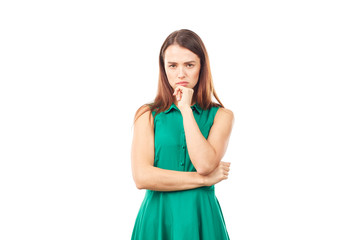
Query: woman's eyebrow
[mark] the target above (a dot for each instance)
(192, 61)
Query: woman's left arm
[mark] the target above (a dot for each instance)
(206, 154)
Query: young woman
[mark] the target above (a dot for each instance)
(178, 143)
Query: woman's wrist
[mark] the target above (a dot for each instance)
(185, 109)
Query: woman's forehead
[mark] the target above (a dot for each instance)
(176, 53)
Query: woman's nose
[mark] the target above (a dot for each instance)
(181, 73)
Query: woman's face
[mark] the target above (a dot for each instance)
(182, 66)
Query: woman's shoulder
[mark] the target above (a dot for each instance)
(224, 114)
(145, 107)
(143, 112)
(223, 110)
(220, 109)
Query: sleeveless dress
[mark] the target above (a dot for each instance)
(193, 214)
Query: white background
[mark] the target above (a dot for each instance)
(73, 73)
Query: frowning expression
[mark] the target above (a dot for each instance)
(182, 66)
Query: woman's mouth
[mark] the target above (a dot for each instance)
(182, 83)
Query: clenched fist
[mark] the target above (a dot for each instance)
(183, 96)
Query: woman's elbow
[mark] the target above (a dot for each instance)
(204, 170)
(139, 186)
(139, 181)
(208, 163)
(141, 176)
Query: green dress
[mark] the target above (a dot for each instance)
(179, 215)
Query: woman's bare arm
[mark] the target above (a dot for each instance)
(206, 154)
(146, 176)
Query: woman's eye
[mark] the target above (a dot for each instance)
(172, 66)
(190, 65)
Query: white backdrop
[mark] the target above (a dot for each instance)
(73, 73)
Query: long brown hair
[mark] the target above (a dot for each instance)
(204, 89)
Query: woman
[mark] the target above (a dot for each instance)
(178, 143)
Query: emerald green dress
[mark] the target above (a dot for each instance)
(179, 215)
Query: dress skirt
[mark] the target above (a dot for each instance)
(193, 214)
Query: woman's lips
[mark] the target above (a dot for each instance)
(182, 83)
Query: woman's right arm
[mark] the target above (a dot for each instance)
(146, 176)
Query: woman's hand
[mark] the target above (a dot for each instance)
(220, 173)
(183, 96)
